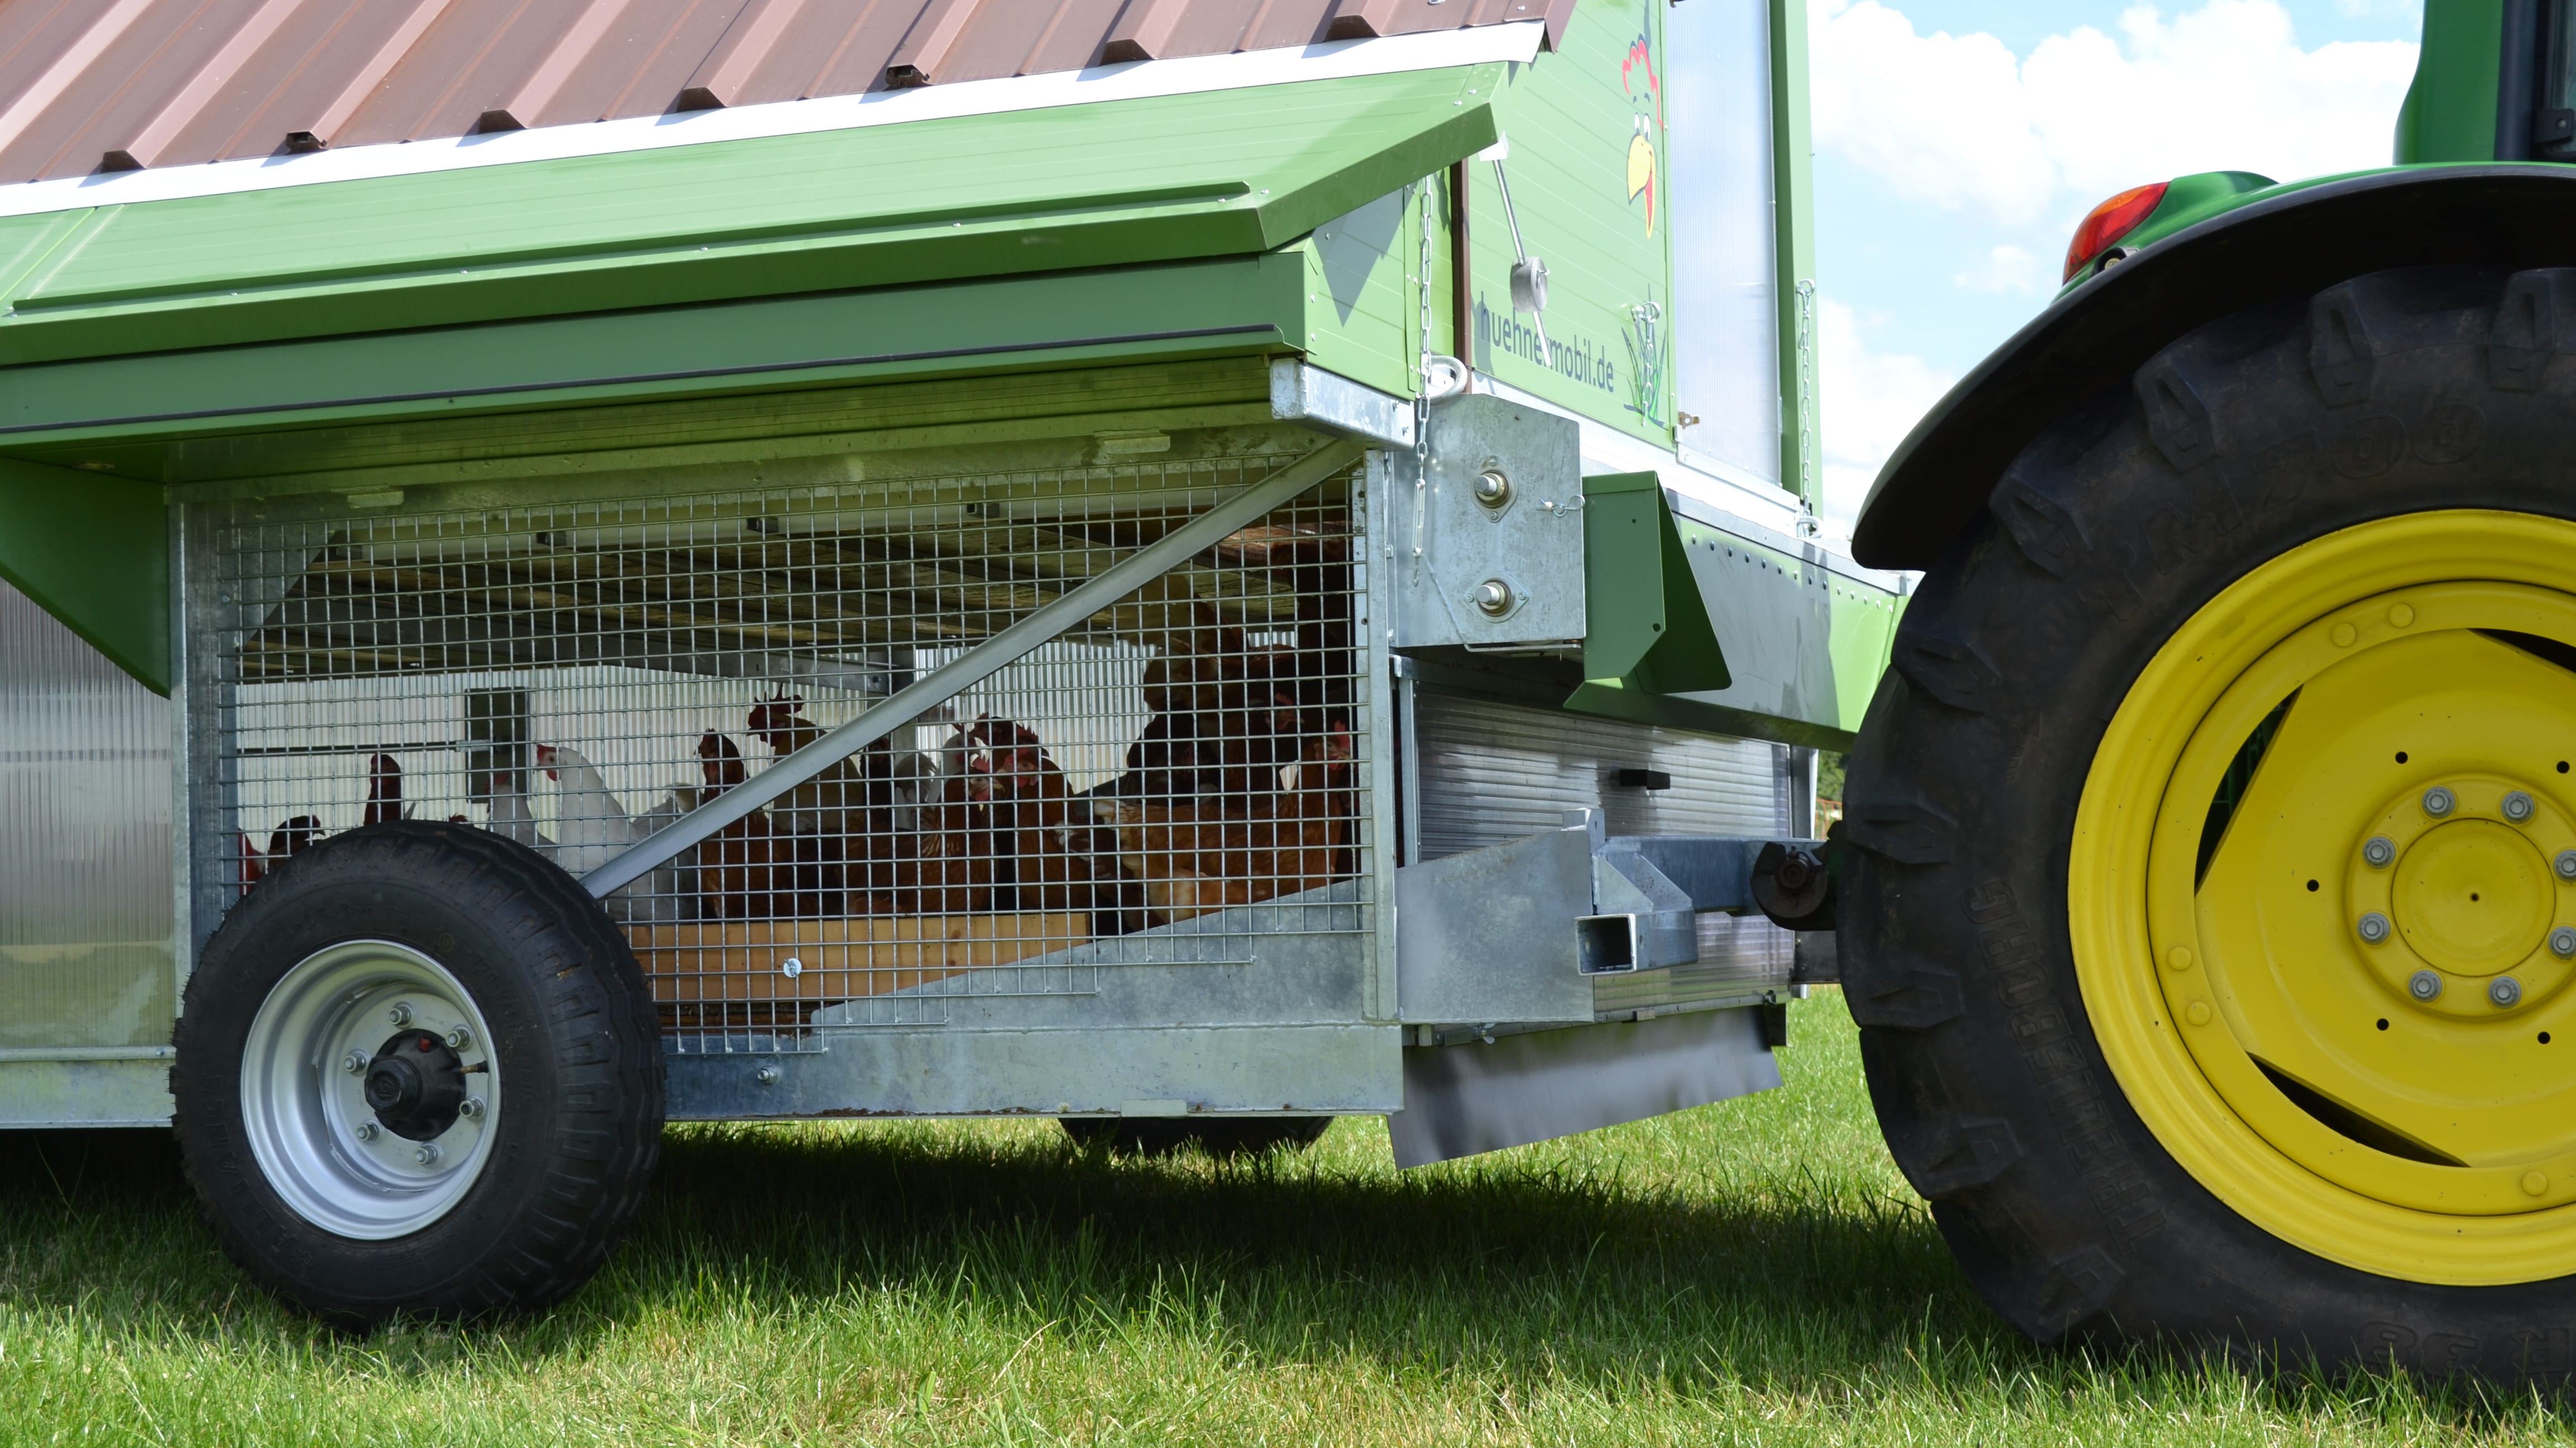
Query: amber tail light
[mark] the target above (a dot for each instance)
(2108, 222)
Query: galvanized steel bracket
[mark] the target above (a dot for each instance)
(1486, 529)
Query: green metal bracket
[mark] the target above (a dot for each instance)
(93, 551)
(1647, 630)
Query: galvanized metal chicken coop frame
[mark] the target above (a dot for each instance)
(1138, 587)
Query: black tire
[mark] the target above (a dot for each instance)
(1243, 1136)
(2389, 394)
(574, 1041)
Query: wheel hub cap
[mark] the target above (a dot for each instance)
(415, 1085)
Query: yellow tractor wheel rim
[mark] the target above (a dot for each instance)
(2357, 1027)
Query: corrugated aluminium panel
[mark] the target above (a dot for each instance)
(113, 84)
(1487, 772)
(86, 957)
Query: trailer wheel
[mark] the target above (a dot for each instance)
(418, 1073)
(2213, 930)
(1152, 1136)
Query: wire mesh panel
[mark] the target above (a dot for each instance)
(578, 674)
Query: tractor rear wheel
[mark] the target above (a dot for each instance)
(2213, 919)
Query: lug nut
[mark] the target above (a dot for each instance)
(1494, 597)
(460, 1038)
(400, 1015)
(2565, 864)
(366, 1131)
(2562, 941)
(2380, 849)
(2439, 802)
(2424, 985)
(426, 1153)
(2374, 927)
(471, 1108)
(355, 1063)
(2505, 991)
(2517, 806)
(1493, 489)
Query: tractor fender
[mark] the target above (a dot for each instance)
(2291, 242)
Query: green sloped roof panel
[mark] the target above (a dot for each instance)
(1111, 183)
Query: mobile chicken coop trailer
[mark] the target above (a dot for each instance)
(1186, 565)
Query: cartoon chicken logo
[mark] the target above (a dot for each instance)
(1646, 99)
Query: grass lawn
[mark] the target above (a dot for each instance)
(1752, 1272)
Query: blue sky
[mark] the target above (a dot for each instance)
(1958, 142)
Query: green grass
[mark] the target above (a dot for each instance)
(1754, 1272)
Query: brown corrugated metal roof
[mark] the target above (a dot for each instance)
(89, 85)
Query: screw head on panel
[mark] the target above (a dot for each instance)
(766, 1075)
(2439, 802)
(2373, 927)
(2379, 850)
(2424, 985)
(1493, 489)
(1493, 596)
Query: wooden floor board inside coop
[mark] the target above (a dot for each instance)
(844, 959)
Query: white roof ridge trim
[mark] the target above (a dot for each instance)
(1516, 40)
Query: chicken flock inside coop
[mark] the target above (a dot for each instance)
(577, 678)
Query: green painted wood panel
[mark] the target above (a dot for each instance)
(1117, 183)
(1581, 123)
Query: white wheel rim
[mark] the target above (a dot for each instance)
(318, 1142)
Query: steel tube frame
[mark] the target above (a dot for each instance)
(978, 663)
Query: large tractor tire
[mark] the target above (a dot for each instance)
(2213, 916)
(418, 1074)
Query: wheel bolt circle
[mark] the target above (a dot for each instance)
(2517, 806)
(2505, 991)
(2439, 802)
(2424, 985)
(2373, 927)
(2380, 850)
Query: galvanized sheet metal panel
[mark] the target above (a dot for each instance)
(86, 956)
(1488, 772)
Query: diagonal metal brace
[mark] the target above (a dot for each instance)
(979, 663)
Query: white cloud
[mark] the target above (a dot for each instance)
(1871, 401)
(1962, 121)
(2007, 271)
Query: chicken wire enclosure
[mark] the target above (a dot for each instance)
(580, 672)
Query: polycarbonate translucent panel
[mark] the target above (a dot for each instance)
(1726, 328)
(578, 674)
(86, 957)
